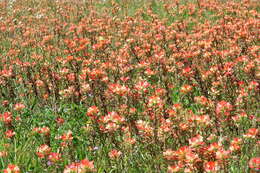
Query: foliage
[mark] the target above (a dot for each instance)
(129, 86)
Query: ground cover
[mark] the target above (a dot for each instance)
(129, 86)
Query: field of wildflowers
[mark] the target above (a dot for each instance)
(129, 86)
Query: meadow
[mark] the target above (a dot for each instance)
(129, 86)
